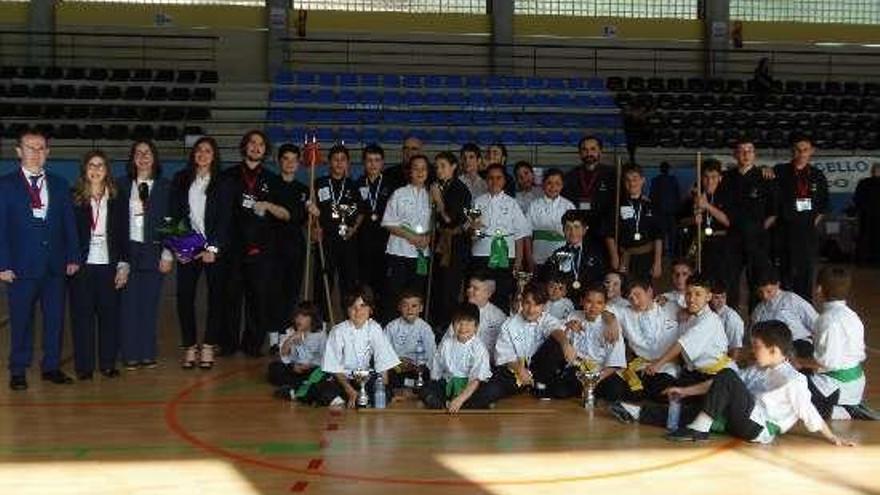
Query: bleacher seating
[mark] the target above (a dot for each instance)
(714, 113)
(442, 109)
(100, 103)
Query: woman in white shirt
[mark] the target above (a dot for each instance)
(200, 199)
(102, 226)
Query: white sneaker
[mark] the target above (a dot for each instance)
(337, 402)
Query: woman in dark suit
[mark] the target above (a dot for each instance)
(201, 199)
(146, 194)
(102, 227)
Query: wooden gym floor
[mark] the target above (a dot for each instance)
(167, 431)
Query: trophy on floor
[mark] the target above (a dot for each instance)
(420, 362)
(361, 377)
(343, 212)
(588, 375)
(473, 214)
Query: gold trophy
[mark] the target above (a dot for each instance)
(522, 279)
(361, 377)
(473, 214)
(588, 375)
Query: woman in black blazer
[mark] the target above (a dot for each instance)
(102, 226)
(146, 195)
(200, 198)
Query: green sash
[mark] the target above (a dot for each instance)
(315, 377)
(846, 375)
(455, 385)
(773, 428)
(548, 235)
(421, 258)
(498, 251)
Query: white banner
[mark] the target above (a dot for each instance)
(842, 172)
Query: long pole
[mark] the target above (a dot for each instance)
(432, 229)
(699, 232)
(616, 213)
(311, 162)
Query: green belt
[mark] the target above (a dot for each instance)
(421, 258)
(847, 375)
(455, 385)
(548, 235)
(773, 428)
(498, 252)
(315, 377)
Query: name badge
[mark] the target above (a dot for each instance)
(365, 192)
(39, 213)
(96, 240)
(586, 205)
(627, 212)
(803, 204)
(409, 383)
(248, 201)
(323, 194)
(139, 222)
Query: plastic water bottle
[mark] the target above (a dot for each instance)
(379, 400)
(420, 352)
(674, 414)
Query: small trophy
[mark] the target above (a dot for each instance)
(473, 214)
(420, 361)
(589, 378)
(361, 377)
(343, 212)
(563, 261)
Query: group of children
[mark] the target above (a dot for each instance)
(682, 346)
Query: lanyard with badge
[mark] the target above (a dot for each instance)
(95, 216)
(803, 202)
(34, 189)
(336, 199)
(587, 189)
(709, 230)
(372, 196)
(576, 266)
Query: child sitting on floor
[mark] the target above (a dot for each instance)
(300, 352)
(412, 339)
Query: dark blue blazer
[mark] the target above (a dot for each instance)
(34, 248)
(157, 210)
(117, 229)
(218, 206)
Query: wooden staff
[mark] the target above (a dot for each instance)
(311, 162)
(700, 227)
(432, 230)
(616, 212)
(312, 156)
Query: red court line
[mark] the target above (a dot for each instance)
(299, 486)
(131, 404)
(315, 464)
(175, 426)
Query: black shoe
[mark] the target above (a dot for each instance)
(110, 372)
(685, 434)
(283, 393)
(862, 412)
(132, 365)
(57, 377)
(620, 413)
(149, 364)
(84, 376)
(18, 382)
(540, 391)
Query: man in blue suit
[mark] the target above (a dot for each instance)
(38, 248)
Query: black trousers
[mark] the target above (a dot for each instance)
(323, 393)
(749, 252)
(372, 242)
(716, 254)
(396, 377)
(503, 277)
(188, 275)
(401, 275)
(289, 279)
(640, 266)
(550, 368)
(340, 263)
(94, 315)
(447, 286)
(280, 375)
(799, 250)
(433, 395)
(728, 399)
(653, 386)
(249, 282)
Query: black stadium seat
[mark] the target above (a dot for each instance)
(211, 77)
(97, 74)
(75, 73)
(134, 93)
(67, 131)
(41, 91)
(615, 84)
(30, 72)
(53, 73)
(18, 91)
(186, 77)
(179, 94)
(111, 93)
(164, 75)
(142, 75)
(656, 85)
(87, 93)
(675, 85)
(202, 94)
(118, 132)
(167, 133)
(8, 72)
(157, 93)
(120, 75)
(92, 131)
(142, 131)
(65, 92)
(635, 84)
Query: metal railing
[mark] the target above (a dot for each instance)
(573, 60)
(74, 48)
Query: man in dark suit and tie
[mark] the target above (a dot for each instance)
(38, 248)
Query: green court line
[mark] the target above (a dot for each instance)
(84, 451)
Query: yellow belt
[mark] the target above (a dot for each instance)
(714, 368)
(630, 374)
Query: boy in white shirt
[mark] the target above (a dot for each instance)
(520, 337)
(356, 344)
(559, 305)
(649, 331)
(413, 341)
(757, 404)
(734, 327)
(793, 310)
(701, 344)
(500, 248)
(545, 216)
(588, 331)
(837, 383)
(300, 353)
(460, 367)
(613, 283)
(479, 292)
(673, 300)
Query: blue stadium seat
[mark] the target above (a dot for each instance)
(460, 118)
(391, 98)
(327, 79)
(347, 117)
(370, 97)
(495, 82)
(557, 84)
(284, 77)
(454, 82)
(371, 135)
(276, 133)
(478, 99)
(536, 83)
(280, 95)
(349, 135)
(475, 82)
(302, 96)
(413, 98)
(347, 97)
(394, 135)
(595, 84)
(435, 99)
(324, 96)
(435, 81)
(511, 138)
(349, 80)
(391, 81)
(412, 81)
(513, 82)
(276, 115)
(486, 137)
(369, 80)
(456, 98)
(463, 136)
(520, 99)
(442, 135)
(326, 135)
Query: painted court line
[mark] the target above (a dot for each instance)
(174, 425)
